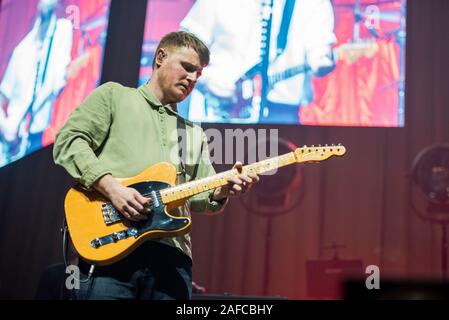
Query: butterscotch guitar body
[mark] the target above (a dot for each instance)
(101, 235)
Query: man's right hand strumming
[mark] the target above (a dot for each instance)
(128, 201)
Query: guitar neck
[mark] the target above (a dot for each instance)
(189, 189)
(286, 74)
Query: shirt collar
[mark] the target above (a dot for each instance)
(154, 101)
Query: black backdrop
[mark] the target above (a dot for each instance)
(371, 177)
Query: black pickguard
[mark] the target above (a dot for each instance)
(157, 218)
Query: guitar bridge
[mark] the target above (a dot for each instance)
(110, 214)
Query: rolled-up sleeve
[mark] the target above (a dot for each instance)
(84, 132)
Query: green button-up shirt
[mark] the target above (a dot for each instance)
(122, 131)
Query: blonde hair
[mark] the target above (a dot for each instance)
(180, 39)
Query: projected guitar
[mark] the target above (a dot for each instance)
(248, 86)
(16, 148)
(101, 235)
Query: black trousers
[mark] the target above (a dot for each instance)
(154, 271)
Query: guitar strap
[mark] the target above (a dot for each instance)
(285, 26)
(182, 149)
(182, 145)
(44, 71)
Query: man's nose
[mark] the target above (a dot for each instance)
(192, 77)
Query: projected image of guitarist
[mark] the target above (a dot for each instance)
(34, 78)
(246, 82)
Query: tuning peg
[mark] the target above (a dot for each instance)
(313, 146)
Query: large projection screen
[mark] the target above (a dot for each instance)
(329, 63)
(51, 54)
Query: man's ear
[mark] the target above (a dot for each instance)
(161, 54)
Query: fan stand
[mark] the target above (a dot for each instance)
(268, 236)
(444, 246)
(443, 223)
(432, 163)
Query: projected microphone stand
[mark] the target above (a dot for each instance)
(400, 38)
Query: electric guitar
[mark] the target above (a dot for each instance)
(248, 86)
(101, 235)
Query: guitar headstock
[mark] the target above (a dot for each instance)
(353, 52)
(320, 153)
